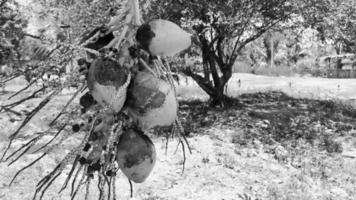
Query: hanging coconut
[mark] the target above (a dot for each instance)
(162, 38)
(107, 82)
(151, 101)
(136, 155)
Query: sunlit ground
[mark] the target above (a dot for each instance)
(219, 167)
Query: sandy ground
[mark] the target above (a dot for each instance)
(217, 169)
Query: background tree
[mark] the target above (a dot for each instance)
(271, 41)
(335, 22)
(222, 30)
(12, 25)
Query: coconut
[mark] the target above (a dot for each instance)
(151, 101)
(136, 155)
(107, 82)
(162, 38)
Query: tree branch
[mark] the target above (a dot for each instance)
(32, 36)
(205, 85)
(220, 54)
(261, 30)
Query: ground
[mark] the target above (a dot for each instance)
(267, 146)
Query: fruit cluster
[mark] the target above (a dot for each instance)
(137, 90)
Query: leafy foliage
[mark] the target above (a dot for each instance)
(335, 21)
(11, 32)
(222, 30)
(82, 15)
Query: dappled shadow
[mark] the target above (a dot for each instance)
(273, 117)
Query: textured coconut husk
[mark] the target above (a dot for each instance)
(162, 38)
(107, 82)
(136, 155)
(151, 101)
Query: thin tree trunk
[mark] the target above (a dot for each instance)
(272, 53)
(338, 61)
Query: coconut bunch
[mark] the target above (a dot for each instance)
(127, 93)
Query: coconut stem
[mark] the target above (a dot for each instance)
(27, 119)
(131, 188)
(54, 137)
(67, 104)
(27, 166)
(75, 179)
(74, 165)
(33, 95)
(87, 188)
(114, 187)
(23, 89)
(81, 182)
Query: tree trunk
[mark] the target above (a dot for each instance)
(219, 98)
(272, 53)
(268, 48)
(271, 43)
(214, 88)
(216, 72)
(338, 60)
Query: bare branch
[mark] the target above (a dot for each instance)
(207, 86)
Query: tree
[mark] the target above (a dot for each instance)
(271, 42)
(222, 30)
(11, 32)
(335, 22)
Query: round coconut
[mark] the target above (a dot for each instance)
(162, 38)
(151, 101)
(107, 81)
(136, 155)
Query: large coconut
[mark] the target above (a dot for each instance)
(107, 82)
(162, 38)
(151, 101)
(136, 155)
